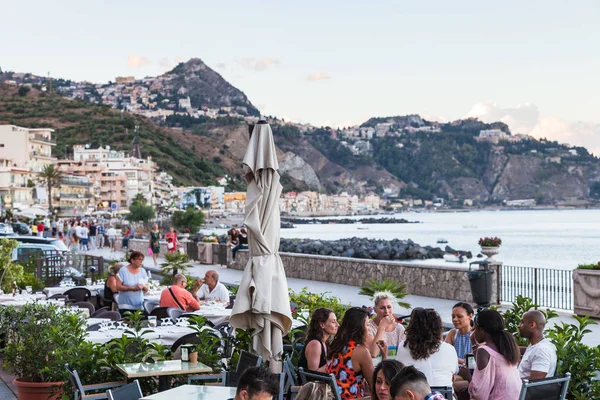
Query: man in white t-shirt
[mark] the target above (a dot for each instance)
(539, 360)
(211, 288)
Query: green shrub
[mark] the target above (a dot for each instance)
(512, 316)
(312, 301)
(589, 266)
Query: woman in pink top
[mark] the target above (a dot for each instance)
(496, 376)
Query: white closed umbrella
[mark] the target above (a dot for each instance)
(262, 302)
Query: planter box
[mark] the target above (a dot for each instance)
(586, 291)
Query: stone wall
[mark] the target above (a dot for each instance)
(439, 281)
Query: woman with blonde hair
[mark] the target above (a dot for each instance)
(384, 326)
(315, 391)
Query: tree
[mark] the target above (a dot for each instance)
(139, 198)
(23, 90)
(51, 177)
(188, 221)
(140, 212)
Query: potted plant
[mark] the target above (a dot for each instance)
(490, 246)
(175, 263)
(395, 288)
(40, 340)
(586, 290)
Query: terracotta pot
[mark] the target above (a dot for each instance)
(194, 357)
(38, 390)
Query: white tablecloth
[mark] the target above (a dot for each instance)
(166, 335)
(50, 291)
(8, 297)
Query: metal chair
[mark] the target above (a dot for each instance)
(319, 377)
(131, 391)
(446, 391)
(58, 297)
(190, 338)
(81, 392)
(84, 304)
(554, 388)
(160, 312)
(174, 313)
(78, 294)
(99, 311)
(112, 315)
(292, 386)
(246, 361)
(150, 305)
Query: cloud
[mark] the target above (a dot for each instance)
(257, 64)
(526, 118)
(134, 62)
(318, 76)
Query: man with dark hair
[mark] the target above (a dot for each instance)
(411, 384)
(257, 383)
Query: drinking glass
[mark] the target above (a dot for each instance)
(28, 289)
(88, 281)
(152, 321)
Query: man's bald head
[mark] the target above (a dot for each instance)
(537, 317)
(178, 278)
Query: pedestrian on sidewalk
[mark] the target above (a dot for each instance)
(100, 235)
(112, 238)
(172, 243)
(155, 243)
(92, 235)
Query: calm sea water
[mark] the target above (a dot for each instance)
(550, 239)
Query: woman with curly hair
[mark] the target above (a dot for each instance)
(383, 374)
(425, 349)
(496, 376)
(349, 359)
(323, 325)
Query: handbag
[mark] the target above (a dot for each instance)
(150, 251)
(170, 245)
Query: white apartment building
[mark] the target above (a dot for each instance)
(24, 153)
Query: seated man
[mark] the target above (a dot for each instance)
(176, 296)
(211, 288)
(539, 360)
(411, 384)
(257, 383)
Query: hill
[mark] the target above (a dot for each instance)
(77, 122)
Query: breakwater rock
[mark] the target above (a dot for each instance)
(301, 221)
(374, 249)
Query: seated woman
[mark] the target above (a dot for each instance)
(110, 286)
(383, 374)
(384, 326)
(349, 359)
(323, 325)
(460, 336)
(425, 349)
(496, 375)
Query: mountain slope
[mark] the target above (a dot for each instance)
(78, 122)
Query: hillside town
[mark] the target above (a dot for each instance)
(104, 179)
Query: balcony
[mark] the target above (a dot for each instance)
(42, 139)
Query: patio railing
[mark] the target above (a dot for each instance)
(52, 268)
(547, 287)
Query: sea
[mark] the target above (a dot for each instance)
(560, 239)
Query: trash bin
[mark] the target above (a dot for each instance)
(481, 282)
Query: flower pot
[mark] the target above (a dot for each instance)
(38, 390)
(586, 292)
(490, 251)
(194, 357)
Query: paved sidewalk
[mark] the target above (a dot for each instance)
(347, 294)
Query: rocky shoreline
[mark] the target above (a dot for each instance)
(384, 220)
(373, 249)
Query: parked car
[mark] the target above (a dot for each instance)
(21, 228)
(6, 228)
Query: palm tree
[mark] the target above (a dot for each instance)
(397, 289)
(51, 176)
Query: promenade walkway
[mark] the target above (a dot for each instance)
(347, 294)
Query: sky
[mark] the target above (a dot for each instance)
(533, 64)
